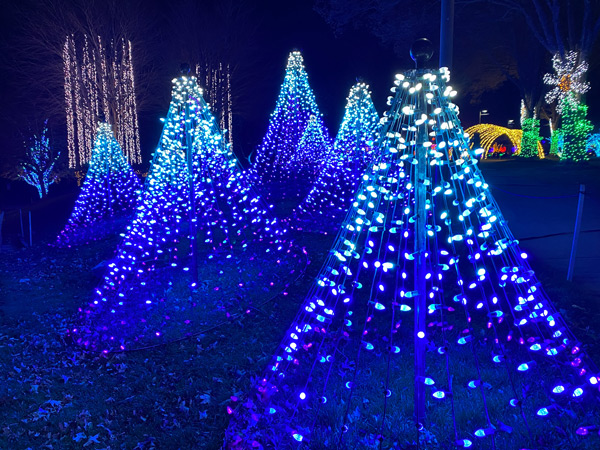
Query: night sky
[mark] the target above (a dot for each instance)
(333, 64)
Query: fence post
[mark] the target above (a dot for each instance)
(1, 220)
(30, 237)
(576, 234)
(21, 220)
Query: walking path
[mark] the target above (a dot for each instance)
(539, 201)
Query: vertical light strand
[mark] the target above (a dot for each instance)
(211, 88)
(221, 94)
(137, 155)
(128, 116)
(79, 109)
(97, 85)
(69, 104)
(123, 116)
(104, 78)
(229, 107)
(114, 120)
(87, 101)
(128, 101)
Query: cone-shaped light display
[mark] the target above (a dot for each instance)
(426, 323)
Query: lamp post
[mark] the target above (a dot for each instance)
(446, 33)
(483, 112)
(421, 52)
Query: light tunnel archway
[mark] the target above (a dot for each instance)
(489, 133)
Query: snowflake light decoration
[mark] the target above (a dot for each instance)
(567, 78)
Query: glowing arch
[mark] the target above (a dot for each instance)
(489, 133)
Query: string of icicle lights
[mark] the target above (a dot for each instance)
(426, 323)
(217, 85)
(99, 86)
(344, 165)
(195, 196)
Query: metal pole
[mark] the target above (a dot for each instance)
(576, 233)
(192, 197)
(420, 267)
(447, 33)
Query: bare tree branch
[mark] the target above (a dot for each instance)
(559, 25)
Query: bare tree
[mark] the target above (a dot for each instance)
(494, 36)
(510, 53)
(394, 22)
(560, 25)
(217, 39)
(37, 51)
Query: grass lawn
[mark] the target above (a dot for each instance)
(54, 395)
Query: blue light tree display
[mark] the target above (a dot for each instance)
(354, 141)
(331, 195)
(110, 189)
(313, 149)
(295, 107)
(426, 326)
(39, 163)
(195, 193)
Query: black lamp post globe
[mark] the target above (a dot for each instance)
(185, 69)
(421, 51)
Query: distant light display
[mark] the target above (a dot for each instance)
(593, 144)
(489, 133)
(426, 323)
(523, 114)
(575, 130)
(567, 79)
(295, 108)
(193, 161)
(530, 143)
(39, 163)
(314, 146)
(332, 194)
(557, 143)
(110, 187)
